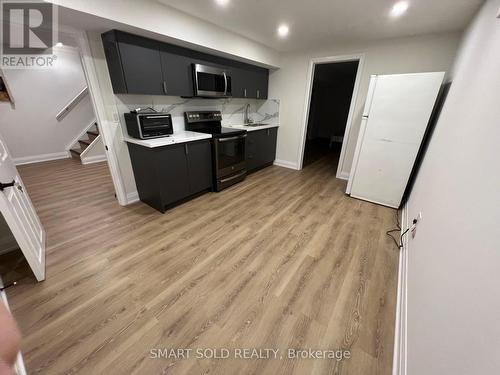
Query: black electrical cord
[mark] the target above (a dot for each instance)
(397, 229)
(8, 286)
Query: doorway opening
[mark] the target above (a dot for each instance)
(53, 152)
(334, 84)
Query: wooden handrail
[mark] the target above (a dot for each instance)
(72, 104)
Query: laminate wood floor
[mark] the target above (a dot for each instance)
(282, 260)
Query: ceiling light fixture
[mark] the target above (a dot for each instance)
(283, 30)
(59, 44)
(222, 3)
(399, 8)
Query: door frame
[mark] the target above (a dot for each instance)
(310, 80)
(103, 121)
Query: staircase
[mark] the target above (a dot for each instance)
(84, 142)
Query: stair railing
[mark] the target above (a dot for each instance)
(72, 104)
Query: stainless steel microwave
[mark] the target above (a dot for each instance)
(149, 125)
(211, 82)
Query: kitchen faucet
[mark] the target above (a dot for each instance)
(247, 119)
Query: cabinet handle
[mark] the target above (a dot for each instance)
(186, 150)
(258, 94)
(245, 93)
(164, 84)
(268, 132)
(221, 140)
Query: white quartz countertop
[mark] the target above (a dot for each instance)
(252, 128)
(177, 137)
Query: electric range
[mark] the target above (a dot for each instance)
(228, 147)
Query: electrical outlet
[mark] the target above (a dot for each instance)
(413, 228)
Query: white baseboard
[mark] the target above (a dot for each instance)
(343, 176)
(286, 164)
(399, 366)
(40, 158)
(132, 197)
(94, 159)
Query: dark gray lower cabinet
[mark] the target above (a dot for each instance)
(167, 175)
(199, 159)
(261, 148)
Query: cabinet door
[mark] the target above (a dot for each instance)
(251, 148)
(173, 176)
(177, 74)
(141, 65)
(199, 158)
(255, 83)
(262, 82)
(262, 148)
(114, 63)
(244, 83)
(269, 145)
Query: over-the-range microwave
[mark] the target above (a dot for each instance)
(211, 82)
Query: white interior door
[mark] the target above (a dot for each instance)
(393, 130)
(20, 215)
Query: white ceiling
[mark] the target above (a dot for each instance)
(314, 23)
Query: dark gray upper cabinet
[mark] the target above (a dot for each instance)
(242, 83)
(250, 82)
(177, 73)
(262, 79)
(261, 148)
(113, 59)
(140, 65)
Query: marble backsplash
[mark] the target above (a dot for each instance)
(232, 108)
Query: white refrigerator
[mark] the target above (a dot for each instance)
(396, 115)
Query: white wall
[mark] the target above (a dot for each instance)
(404, 55)
(165, 21)
(30, 129)
(454, 260)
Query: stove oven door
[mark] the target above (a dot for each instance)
(230, 156)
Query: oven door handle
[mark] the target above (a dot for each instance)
(233, 177)
(225, 83)
(231, 138)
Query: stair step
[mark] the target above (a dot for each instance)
(75, 154)
(84, 143)
(92, 135)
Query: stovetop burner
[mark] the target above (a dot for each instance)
(221, 132)
(209, 122)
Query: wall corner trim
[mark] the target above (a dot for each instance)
(343, 175)
(132, 197)
(399, 366)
